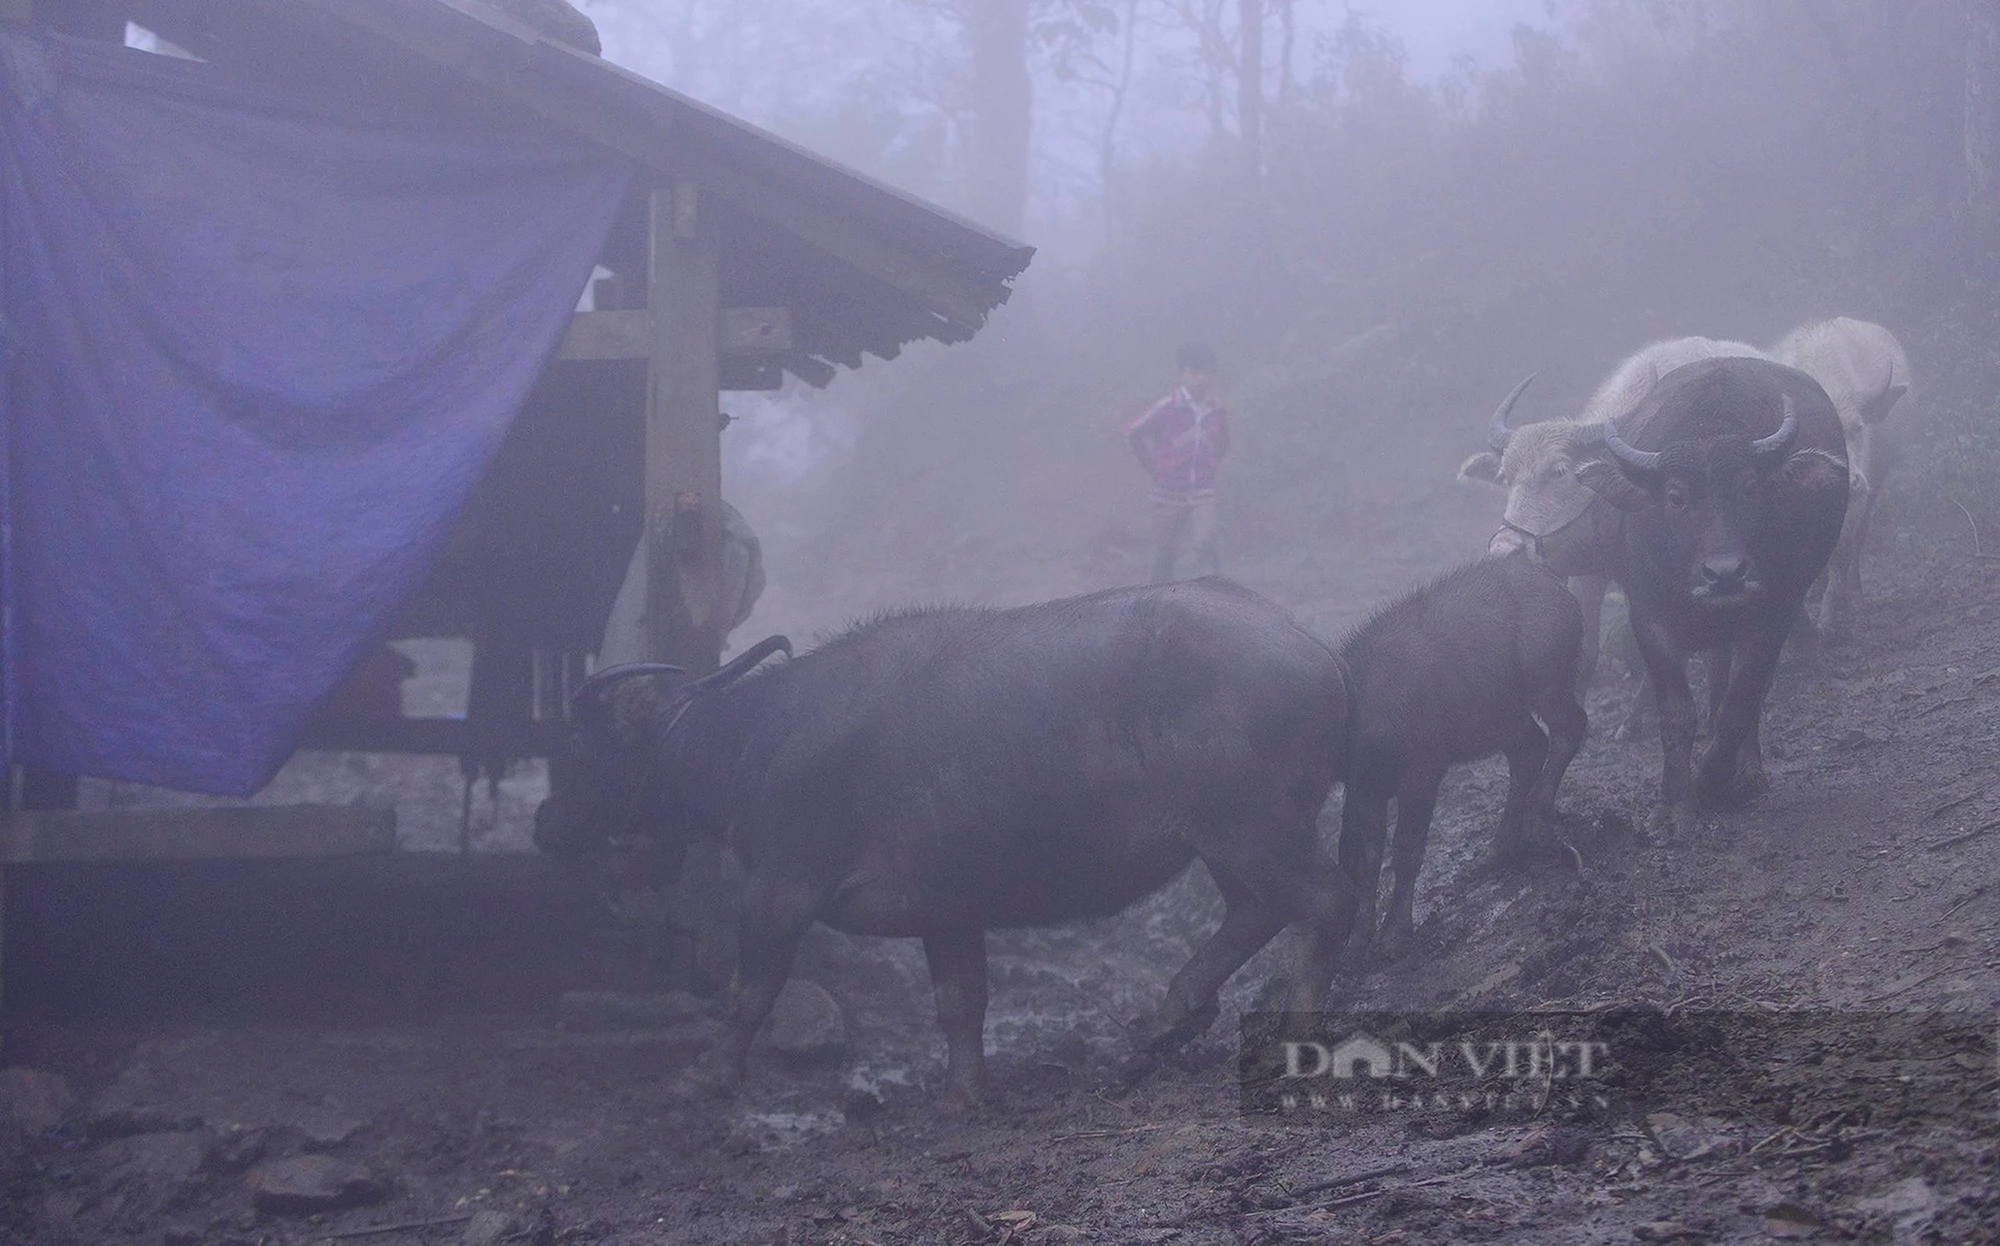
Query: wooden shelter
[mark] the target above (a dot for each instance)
(739, 258)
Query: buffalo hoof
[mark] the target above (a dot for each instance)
(706, 1079)
(1724, 785)
(961, 1098)
(1171, 1026)
(1396, 939)
(1132, 1070)
(1673, 823)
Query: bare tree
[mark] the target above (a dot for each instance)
(1250, 91)
(1982, 126)
(1002, 110)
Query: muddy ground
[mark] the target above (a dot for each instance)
(1771, 985)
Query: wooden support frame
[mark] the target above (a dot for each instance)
(195, 833)
(747, 333)
(683, 532)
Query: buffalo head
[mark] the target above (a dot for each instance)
(1699, 501)
(1536, 466)
(610, 778)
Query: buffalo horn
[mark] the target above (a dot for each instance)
(1637, 460)
(1765, 447)
(740, 665)
(1497, 431)
(587, 695)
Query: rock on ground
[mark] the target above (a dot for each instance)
(33, 1100)
(806, 1022)
(304, 1184)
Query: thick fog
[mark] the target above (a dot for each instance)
(1426, 203)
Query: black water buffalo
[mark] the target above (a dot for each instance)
(942, 772)
(1452, 672)
(1730, 486)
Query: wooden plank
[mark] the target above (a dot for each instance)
(443, 737)
(746, 332)
(608, 335)
(756, 330)
(683, 532)
(746, 376)
(918, 277)
(206, 832)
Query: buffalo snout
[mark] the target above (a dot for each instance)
(1724, 573)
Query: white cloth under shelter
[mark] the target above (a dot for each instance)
(736, 592)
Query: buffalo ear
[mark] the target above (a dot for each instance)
(1814, 470)
(1484, 466)
(1610, 483)
(1878, 408)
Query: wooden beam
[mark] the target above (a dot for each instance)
(608, 335)
(747, 333)
(756, 331)
(743, 375)
(442, 737)
(683, 531)
(204, 832)
(912, 274)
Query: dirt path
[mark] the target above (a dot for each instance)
(1866, 887)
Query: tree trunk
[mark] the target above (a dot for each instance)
(1982, 130)
(1288, 23)
(1250, 92)
(1002, 111)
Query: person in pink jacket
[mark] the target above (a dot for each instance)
(1181, 440)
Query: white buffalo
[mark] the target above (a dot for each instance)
(1862, 367)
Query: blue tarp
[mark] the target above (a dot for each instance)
(262, 350)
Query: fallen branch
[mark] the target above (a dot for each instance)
(1894, 991)
(1949, 701)
(1971, 523)
(1975, 794)
(1968, 898)
(1105, 1133)
(1952, 841)
(1321, 1187)
(402, 1227)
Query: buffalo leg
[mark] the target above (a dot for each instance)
(1843, 571)
(957, 961)
(1715, 666)
(1416, 802)
(1364, 834)
(1526, 754)
(1728, 776)
(1568, 724)
(1666, 667)
(1589, 592)
(775, 917)
(1248, 923)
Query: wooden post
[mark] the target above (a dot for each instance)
(684, 430)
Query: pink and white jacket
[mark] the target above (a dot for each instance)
(1181, 442)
